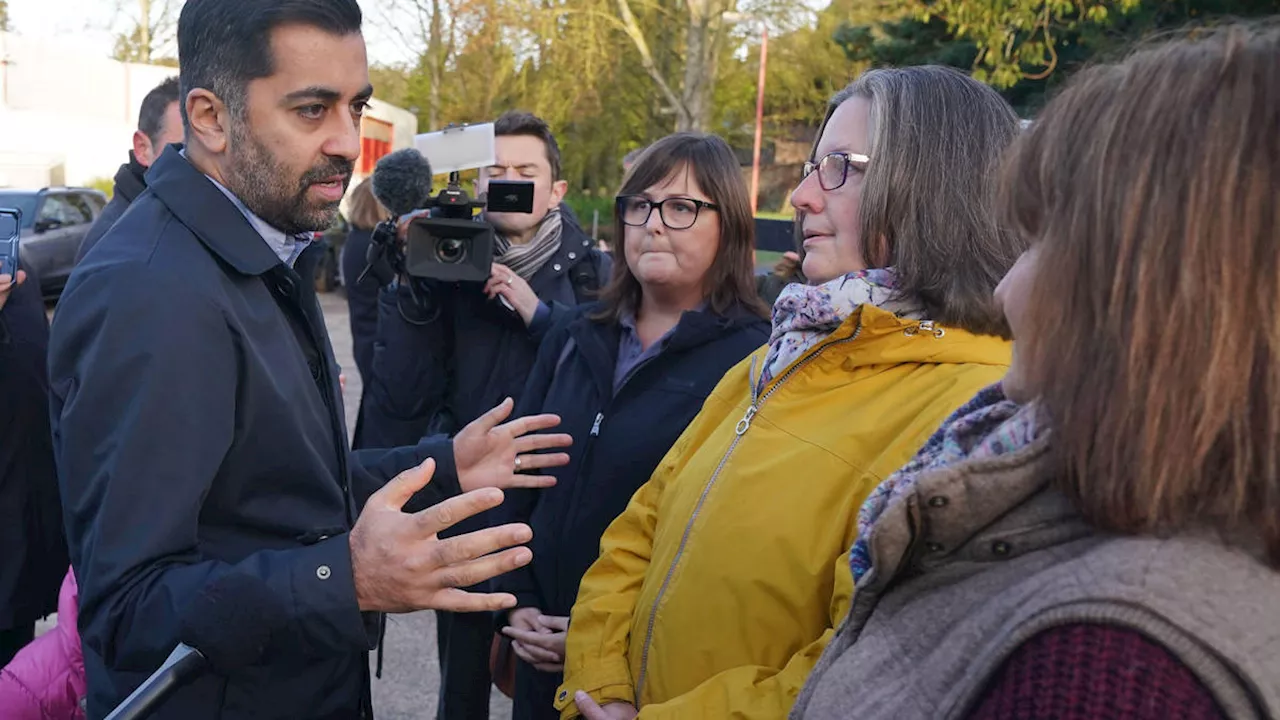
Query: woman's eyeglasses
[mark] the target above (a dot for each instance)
(676, 213)
(833, 169)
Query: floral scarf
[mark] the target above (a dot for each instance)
(988, 425)
(805, 314)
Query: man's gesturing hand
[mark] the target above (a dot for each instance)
(399, 565)
(491, 455)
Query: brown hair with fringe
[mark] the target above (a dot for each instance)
(731, 278)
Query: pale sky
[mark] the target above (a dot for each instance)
(93, 24)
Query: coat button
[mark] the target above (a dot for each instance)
(938, 501)
(564, 694)
(1001, 548)
(323, 572)
(556, 267)
(573, 256)
(933, 547)
(315, 369)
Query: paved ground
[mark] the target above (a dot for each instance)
(410, 673)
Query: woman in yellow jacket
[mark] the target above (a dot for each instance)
(720, 585)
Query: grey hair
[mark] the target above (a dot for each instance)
(936, 141)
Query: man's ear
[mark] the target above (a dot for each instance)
(558, 190)
(208, 121)
(142, 149)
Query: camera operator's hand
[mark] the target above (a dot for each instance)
(503, 282)
(491, 455)
(402, 224)
(398, 563)
(7, 284)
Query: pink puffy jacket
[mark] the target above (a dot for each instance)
(45, 681)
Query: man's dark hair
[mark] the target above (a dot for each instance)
(154, 107)
(225, 44)
(523, 123)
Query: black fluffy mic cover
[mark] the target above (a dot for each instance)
(402, 181)
(231, 622)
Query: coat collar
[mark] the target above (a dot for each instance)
(575, 248)
(979, 510)
(598, 341)
(209, 214)
(131, 179)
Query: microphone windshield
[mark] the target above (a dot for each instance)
(402, 181)
(231, 622)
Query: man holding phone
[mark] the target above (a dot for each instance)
(30, 513)
(197, 419)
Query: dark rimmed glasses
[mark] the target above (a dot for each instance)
(833, 169)
(676, 213)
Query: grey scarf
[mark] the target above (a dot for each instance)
(527, 259)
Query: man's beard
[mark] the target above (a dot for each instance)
(266, 187)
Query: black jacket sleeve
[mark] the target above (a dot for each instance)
(411, 369)
(371, 469)
(144, 411)
(519, 503)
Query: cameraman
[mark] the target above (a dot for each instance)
(448, 351)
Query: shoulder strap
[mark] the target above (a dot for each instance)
(585, 279)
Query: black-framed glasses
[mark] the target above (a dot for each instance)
(833, 169)
(677, 213)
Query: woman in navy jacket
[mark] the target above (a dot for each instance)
(627, 374)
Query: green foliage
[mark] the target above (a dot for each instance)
(106, 186)
(4, 16)
(1025, 48)
(574, 63)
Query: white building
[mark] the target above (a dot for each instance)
(67, 115)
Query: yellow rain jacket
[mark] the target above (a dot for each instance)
(720, 585)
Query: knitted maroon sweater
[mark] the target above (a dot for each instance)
(1094, 672)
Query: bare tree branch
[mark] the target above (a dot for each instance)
(632, 29)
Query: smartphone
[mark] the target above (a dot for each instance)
(10, 224)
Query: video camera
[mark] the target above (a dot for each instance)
(445, 240)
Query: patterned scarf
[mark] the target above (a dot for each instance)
(805, 314)
(988, 425)
(527, 259)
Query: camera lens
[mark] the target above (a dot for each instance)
(451, 251)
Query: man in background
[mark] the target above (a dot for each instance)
(35, 551)
(159, 125)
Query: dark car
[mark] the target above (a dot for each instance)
(54, 222)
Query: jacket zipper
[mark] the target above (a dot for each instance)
(740, 430)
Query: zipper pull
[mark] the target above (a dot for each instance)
(745, 423)
(595, 429)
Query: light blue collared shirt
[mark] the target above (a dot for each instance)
(286, 247)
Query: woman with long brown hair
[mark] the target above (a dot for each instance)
(1098, 536)
(626, 376)
(717, 588)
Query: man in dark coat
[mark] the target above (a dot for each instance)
(35, 552)
(197, 419)
(447, 351)
(159, 125)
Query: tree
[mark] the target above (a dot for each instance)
(428, 26)
(4, 15)
(1025, 69)
(152, 37)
